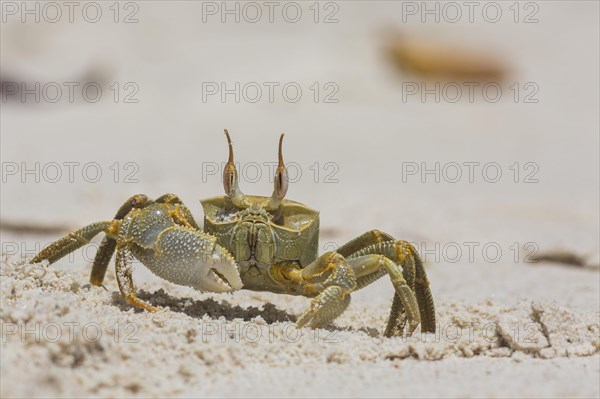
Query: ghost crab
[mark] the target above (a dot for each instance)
(257, 243)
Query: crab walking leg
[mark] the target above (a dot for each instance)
(335, 280)
(400, 252)
(364, 240)
(369, 264)
(397, 319)
(125, 281)
(421, 286)
(404, 254)
(108, 244)
(101, 260)
(74, 240)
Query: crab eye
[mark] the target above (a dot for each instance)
(229, 178)
(281, 175)
(281, 185)
(281, 182)
(230, 173)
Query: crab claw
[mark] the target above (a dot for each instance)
(193, 258)
(222, 274)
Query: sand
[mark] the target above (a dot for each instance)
(62, 337)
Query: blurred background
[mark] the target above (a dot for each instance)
(468, 129)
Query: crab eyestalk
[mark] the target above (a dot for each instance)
(281, 184)
(230, 179)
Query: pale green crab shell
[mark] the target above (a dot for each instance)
(295, 238)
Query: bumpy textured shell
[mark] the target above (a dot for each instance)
(296, 238)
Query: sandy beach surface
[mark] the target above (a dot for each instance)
(83, 340)
(508, 326)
